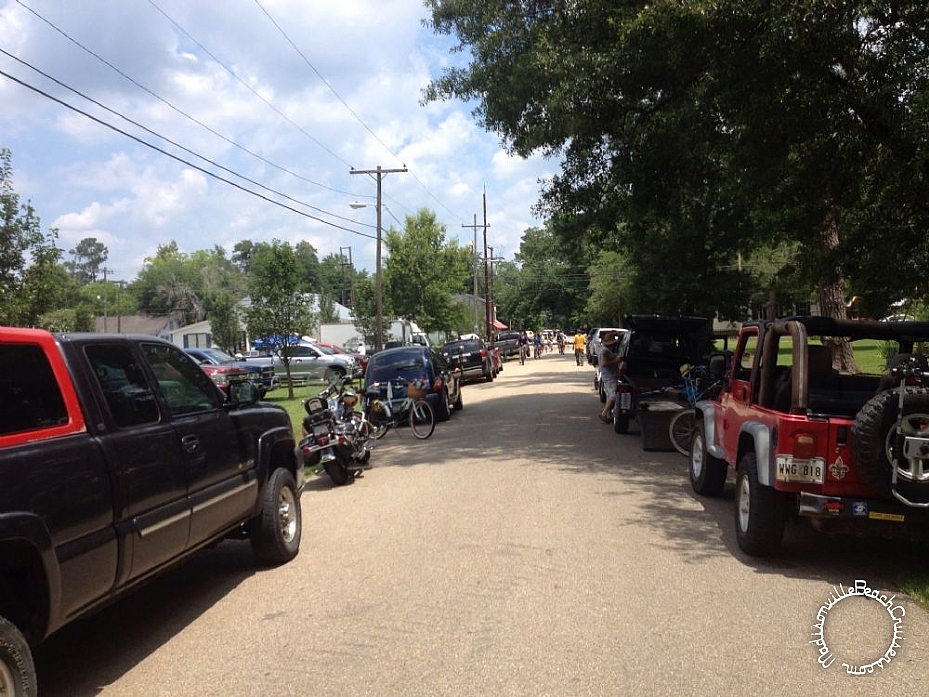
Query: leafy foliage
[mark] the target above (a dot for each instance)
(422, 270)
(279, 312)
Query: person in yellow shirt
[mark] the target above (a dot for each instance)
(580, 341)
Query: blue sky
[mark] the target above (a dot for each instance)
(290, 94)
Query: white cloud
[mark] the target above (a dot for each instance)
(375, 54)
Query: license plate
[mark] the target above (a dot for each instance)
(790, 469)
(625, 400)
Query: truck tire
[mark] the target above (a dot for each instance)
(707, 473)
(275, 532)
(760, 511)
(620, 421)
(442, 412)
(875, 428)
(17, 670)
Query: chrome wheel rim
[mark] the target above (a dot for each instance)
(287, 514)
(696, 456)
(744, 503)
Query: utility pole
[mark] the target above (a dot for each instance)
(474, 259)
(378, 282)
(488, 335)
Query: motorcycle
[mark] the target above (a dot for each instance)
(334, 434)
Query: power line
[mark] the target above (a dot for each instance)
(167, 103)
(346, 105)
(177, 145)
(246, 85)
(180, 159)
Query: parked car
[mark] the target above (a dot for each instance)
(471, 357)
(651, 355)
(361, 359)
(308, 362)
(398, 366)
(508, 343)
(497, 358)
(261, 375)
(225, 375)
(593, 341)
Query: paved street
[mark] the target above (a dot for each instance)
(525, 549)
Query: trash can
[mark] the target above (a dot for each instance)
(654, 421)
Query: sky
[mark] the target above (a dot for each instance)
(283, 98)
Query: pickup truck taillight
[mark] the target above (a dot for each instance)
(621, 369)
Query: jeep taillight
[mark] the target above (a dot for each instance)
(483, 354)
(804, 446)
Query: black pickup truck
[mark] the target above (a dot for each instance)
(119, 458)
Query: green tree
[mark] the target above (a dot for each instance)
(691, 132)
(279, 312)
(90, 256)
(224, 322)
(422, 270)
(171, 284)
(46, 285)
(19, 234)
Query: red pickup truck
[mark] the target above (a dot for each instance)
(809, 441)
(119, 458)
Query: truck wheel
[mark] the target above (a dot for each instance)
(275, 532)
(875, 429)
(707, 473)
(760, 511)
(337, 471)
(17, 671)
(442, 412)
(620, 421)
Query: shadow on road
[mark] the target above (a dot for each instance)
(86, 656)
(547, 417)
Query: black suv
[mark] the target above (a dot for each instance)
(471, 357)
(398, 366)
(651, 354)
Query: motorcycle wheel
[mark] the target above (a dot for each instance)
(337, 471)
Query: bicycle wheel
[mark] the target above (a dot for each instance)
(379, 422)
(422, 419)
(680, 430)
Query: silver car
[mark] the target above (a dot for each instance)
(309, 362)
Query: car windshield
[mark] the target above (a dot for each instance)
(396, 361)
(217, 355)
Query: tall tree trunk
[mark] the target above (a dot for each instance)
(832, 297)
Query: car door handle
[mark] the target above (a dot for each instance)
(191, 443)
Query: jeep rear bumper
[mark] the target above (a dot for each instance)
(838, 507)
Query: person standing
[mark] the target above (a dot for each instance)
(608, 365)
(580, 341)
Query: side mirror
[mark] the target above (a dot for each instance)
(243, 394)
(718, 366)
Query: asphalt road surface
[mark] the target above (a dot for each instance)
(525, 549)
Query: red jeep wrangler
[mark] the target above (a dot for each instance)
(846, 450)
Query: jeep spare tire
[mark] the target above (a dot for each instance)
(875, 427)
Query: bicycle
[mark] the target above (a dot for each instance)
(698, 384)
(413, 410)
